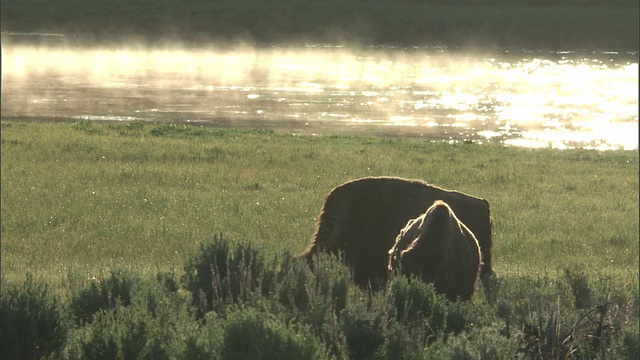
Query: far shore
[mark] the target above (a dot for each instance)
(567, 25)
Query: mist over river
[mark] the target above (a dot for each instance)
(517, 98)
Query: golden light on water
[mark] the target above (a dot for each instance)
(524, 100)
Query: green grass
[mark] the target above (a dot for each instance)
(80, 198)
(531, 24)
(111, 248)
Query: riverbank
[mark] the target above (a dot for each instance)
(78, 197)
(571, 25)
(111, 247)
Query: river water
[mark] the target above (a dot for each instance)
(517, 98)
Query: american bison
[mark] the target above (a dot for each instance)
(362, 218)
(439, 249)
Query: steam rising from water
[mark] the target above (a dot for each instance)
(548, 100)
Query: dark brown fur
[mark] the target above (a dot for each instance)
(439, 249)
(362, 218)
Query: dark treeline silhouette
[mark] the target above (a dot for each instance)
(610, 25)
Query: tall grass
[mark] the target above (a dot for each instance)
(80, 198)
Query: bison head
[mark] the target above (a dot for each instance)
(422, 247)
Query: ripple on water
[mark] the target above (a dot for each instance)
(523, 98)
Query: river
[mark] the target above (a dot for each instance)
(516, 98)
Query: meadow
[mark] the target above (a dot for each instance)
(529, 24)
(89, 205)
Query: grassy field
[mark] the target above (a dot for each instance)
(531, 24)
(80, 197)
(170, 241)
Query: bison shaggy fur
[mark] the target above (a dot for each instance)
(439, 249)
(360, 220)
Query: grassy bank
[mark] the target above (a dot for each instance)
(76, 198)
(118, 227)
(552, 25)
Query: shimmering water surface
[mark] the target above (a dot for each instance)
(523, 98)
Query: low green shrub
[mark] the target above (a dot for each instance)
(131, 332)
(33, 323)
(364, 325)
(579, 282)
(416, 303)
(218, 275)
(570, 315)
(235, 302)
(206, 341)
(154, 322)
(114, 334)
(315, 293)
(314, 297)
(292, 287)
(478, 344)
(251, 334)
(401, 343)
(104, 293)
(627, 344)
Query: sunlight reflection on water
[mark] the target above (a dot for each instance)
(521, 99)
